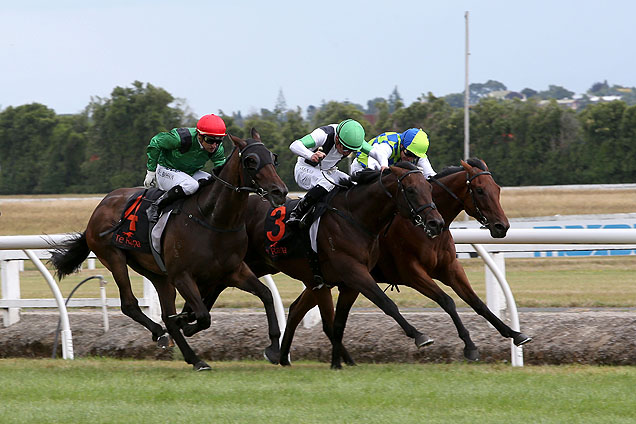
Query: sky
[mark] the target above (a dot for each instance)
(239, 55)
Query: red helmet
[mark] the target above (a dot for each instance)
(211, 125)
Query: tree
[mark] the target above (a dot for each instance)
(25, 137)
(61, 165)
(529, 93)
(121, 127)
(395, 100)
(479, 91)
(281, 105)
(555, 92)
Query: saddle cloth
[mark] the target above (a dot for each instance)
(133, 227)
(283, 242)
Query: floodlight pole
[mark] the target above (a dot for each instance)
(466, 99)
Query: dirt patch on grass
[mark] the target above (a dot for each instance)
(587, 337)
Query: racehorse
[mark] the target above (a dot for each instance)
(347, 240)
(408, 257)
(203, 246)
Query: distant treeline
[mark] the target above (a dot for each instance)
(523, 143)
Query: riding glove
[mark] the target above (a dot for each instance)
(150, 179)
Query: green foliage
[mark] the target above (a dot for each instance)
(523, 142)
(121, 127)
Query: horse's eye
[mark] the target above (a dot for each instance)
(480, 191)
(250, 163)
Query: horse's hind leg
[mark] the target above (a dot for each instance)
(297, 310)
(245, 279)
(425, 285)
(457, 280)
(115, 262)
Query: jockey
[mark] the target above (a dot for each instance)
(392, 147)
(175, 160)
(318, 155)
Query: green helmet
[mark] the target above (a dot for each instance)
(351, 135)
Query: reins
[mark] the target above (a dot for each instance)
(271, 159)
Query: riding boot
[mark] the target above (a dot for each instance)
(304, 205)
(166, 198)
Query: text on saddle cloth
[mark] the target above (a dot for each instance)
(283, 242)
(132, 230)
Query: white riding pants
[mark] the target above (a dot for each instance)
(308, 176)
(168, 178)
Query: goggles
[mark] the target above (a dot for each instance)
(212, 139)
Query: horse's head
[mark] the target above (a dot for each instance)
(415, 198)
(259, 169)
(483, 199)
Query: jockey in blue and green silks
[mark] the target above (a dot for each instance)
(392, 147)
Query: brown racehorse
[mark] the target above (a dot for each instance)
(408, 257)
(203, 246)
(347, 241)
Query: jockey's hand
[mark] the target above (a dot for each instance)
(150, 179)
(383, 168)
(317, 156)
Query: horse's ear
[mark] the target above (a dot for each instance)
(238, 142)
(466, 166)
(255, 135)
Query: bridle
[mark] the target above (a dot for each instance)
(415, 212)
(261, 156)
(478, 215)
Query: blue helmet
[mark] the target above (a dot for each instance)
(415, 140)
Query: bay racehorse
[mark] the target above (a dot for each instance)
(408, 257)
(203, 246)
(347, 241)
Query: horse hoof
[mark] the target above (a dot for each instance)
(202, 366)
(164, 341)
(471, 354)
(272, 355)
(422, 340)
(521, 339)
(336, 366)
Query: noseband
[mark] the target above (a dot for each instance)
(478, 215)
(416, 218)
(262, 157)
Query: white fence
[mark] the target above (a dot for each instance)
(479, 239)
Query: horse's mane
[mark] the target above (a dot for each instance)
(455, 169)
(367, 175)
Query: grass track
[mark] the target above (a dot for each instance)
(116, 391)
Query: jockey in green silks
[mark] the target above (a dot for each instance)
(392, 147)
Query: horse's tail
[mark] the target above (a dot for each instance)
(69, 256)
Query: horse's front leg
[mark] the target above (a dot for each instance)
(187, 317)
(244, 279)
(358, 278)
(423, 283)
(346, 299)
(456, 278)
(167, 296)
(189, 290)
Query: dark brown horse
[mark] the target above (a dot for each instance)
(203, 247)
(408, 257)
(347, 241)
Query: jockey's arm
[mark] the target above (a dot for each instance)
(303, 146)
(426, 167)
(380, 154)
